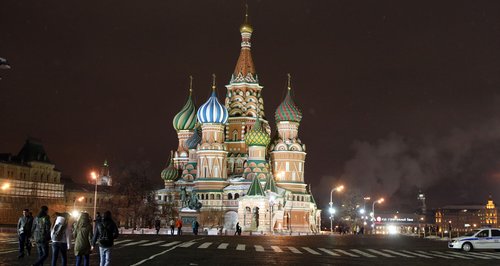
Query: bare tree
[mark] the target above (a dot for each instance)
(135, 195)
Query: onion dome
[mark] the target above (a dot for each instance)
(186, 118)
(246, 27)
(288, 110)
(212, 111)
(170, 173)
(195, 139)
(257, 136)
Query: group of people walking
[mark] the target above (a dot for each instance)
(40, 230)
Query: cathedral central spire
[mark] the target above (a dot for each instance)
(245, 69)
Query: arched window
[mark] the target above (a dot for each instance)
(236, 195)
(229, 196)
(202, 196)
(211, 196)
(235, 135)
(218, 196)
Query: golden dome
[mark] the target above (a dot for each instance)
(245, 27)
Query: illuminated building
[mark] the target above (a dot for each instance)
(228, 162)
(463, 218)
(33, 181)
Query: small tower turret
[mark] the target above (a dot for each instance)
(287, 151)
(184, 123)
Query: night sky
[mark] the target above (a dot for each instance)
(396, 95)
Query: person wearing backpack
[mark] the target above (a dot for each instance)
(61, 238)
(41, 234)
(83, 239)
(106, 232)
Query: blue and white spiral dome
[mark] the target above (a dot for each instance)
(212, 111)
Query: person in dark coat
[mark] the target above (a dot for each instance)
(196, 225)
(157, 226)
(41, 234)
(106, 232)
(83, 238)
(24, 231)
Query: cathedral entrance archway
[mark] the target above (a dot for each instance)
(230, 220)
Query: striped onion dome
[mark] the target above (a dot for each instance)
(186, 118)
(257, 136)
(288, 110)
(212, 111)
(170, 173)
(195, 139)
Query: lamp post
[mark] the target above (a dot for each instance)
(338, 189)
(94, 176)
(271, 205)
(75, 212)
(373, 210)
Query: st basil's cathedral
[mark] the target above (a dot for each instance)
(227, 169)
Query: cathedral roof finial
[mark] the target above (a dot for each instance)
(190, 85)
(289, 86)
(246, 27)
(213, 82)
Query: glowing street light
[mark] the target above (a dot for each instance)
(94, 176)
(80, 199)
(373, 210)
(5, 186)
(338, 189)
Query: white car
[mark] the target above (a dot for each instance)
(485, 238)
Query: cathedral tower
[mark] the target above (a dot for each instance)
(244, 102)
(184, 123)
(287, 151)
(257, 140)
(211, 153)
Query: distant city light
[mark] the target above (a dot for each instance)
(392, 229)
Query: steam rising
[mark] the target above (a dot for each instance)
(461, 164)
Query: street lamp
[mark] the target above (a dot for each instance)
(338, 189)
(373, 210)
(271, 206)
(75, 212)
(94, 176)
(5, 186)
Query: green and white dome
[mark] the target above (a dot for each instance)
(186, 118)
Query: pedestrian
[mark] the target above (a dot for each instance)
(98, 217)
(178, 224)
(172, 226)
(61, 238)
(106, 232)
(157, 226)
(238, 229)
(23, 233)
(29, 233)
(83, 238)
(195, 227)
(41, 234)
